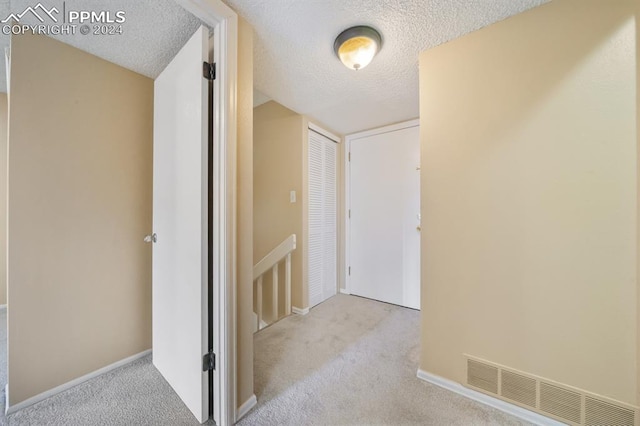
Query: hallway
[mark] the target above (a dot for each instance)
(352, 361)
(349, 361)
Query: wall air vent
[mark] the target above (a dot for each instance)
(560, 402)
(518, 388)
(552, 399)
(599, 413)
(482, 376)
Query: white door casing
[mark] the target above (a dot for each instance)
(180, 215)
(384, 224)
(224, 22)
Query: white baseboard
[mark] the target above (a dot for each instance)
(75, 382)
(263, 323)
(299, 311)
(246, 407)
(345, 291)
(498, 404)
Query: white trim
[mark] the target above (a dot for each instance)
(263, 323)
(384, 129)
(225, 24)
(324, 132)
(274, 256)
(65, 386)
(7, 62)
(299, 311)
(246, 407)
(346, 236)
(347, 188)
(344, 291)
(498, 404)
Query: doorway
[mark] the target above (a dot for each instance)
(322, 214)
(211, 356)
(383, 216)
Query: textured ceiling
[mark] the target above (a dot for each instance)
(294, 62)
(154, 31)
(259, 98)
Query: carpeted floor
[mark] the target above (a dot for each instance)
(135, 394)
(351, 361)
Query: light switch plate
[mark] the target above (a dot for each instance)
(292, 197)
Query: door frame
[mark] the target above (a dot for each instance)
(347, 189)
(224, 22)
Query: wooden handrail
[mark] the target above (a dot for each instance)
(275, 256)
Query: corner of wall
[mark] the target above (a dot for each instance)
(106, 180)
(499, 200)
(244, 331)
(305, 213)
(4, 122)
(637, 24)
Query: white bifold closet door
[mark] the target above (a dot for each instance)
(322, 220)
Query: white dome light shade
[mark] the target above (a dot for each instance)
(357, 46)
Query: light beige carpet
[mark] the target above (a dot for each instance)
(352, 361)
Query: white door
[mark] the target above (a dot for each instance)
(385, 217)
(322, 221)
(180, 218)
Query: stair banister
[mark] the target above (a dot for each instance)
(270, 262)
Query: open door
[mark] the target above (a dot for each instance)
(180, 225)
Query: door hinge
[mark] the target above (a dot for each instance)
(209, 361)
(349, 156)
(349, 270)
(209, 70)
(349, 213)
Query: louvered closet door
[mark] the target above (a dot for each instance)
(323, 235)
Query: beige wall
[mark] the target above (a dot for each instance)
(277, 154)
(80, 189)
(529, 197)
(4, 118)
(280, 166)
(245, 213)
(638, 205)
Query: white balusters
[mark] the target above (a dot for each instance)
(274, 290)
(270, 262)
(287, 285)
(259, 302)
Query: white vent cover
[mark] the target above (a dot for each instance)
(518, 388)
(560, 402)
(599, 413)
(556, 400)
(482, 376)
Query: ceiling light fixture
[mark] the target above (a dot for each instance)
(356, 46)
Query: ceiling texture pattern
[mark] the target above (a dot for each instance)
(154, 31)
(294, 62)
